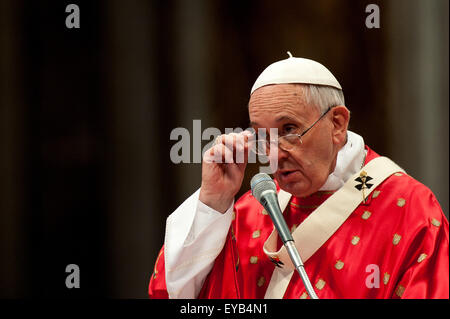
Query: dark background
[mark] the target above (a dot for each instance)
(86, 115)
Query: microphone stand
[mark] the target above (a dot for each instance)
(298, 264)
(273, 206)
(264, 190)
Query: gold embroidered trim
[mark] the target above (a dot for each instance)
(435, 222)
(422, 258)
(399, 290)
(396, 239)
(339, 265)
(232, 234)
(401, 202)
(366, 215)
(261, 281)
(355, 240)
(386, 277)
(320, 284)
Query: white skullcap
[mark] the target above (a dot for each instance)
(296, 70)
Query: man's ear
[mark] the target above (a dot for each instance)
(340, 117)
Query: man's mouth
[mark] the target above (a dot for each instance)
(286, 173)
(289, 176)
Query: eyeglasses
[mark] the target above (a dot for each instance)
(286, 142)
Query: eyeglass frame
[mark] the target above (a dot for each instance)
(294, 134)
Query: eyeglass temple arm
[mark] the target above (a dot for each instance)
(315, 122)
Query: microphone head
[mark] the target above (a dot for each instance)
(260, 183)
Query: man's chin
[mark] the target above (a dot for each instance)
(297, 189)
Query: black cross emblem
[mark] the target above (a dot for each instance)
(363, 179)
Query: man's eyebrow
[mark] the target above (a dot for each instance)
(285, 117)
(282, 118)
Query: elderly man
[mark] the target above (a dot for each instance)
(363, 227)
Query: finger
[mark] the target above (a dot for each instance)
(227, 153)
(236, 143)
(219, 153)
(241, 149)
(212, 156)
(209, 156)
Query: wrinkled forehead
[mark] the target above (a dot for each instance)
(292, 90)
(279, 99)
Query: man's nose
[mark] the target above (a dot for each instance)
(277, 156)
(281, 153)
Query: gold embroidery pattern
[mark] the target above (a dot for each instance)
(320, 284)
(233, 216)
(264, 212)
(375, 194)
(304, 295)
(401, 202)
(396, 239)
(232, 234)
(421, 258)
(398, 174)
(256, 234)
(339, 265)
(366, 215)
(253, 259)
(261, 281)
(355, 240)
(435, 222)
(400, 290)
(386, 277)
(294, 204)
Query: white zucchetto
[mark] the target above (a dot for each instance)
(296, 70)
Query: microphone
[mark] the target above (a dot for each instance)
(265, 191)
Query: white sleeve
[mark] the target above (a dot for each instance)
(195, 236)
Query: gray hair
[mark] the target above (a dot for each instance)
(323, 96)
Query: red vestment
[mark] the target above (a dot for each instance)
(393, 246)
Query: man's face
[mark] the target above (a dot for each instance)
(303, 170)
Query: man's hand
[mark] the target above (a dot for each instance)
(223, 170)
